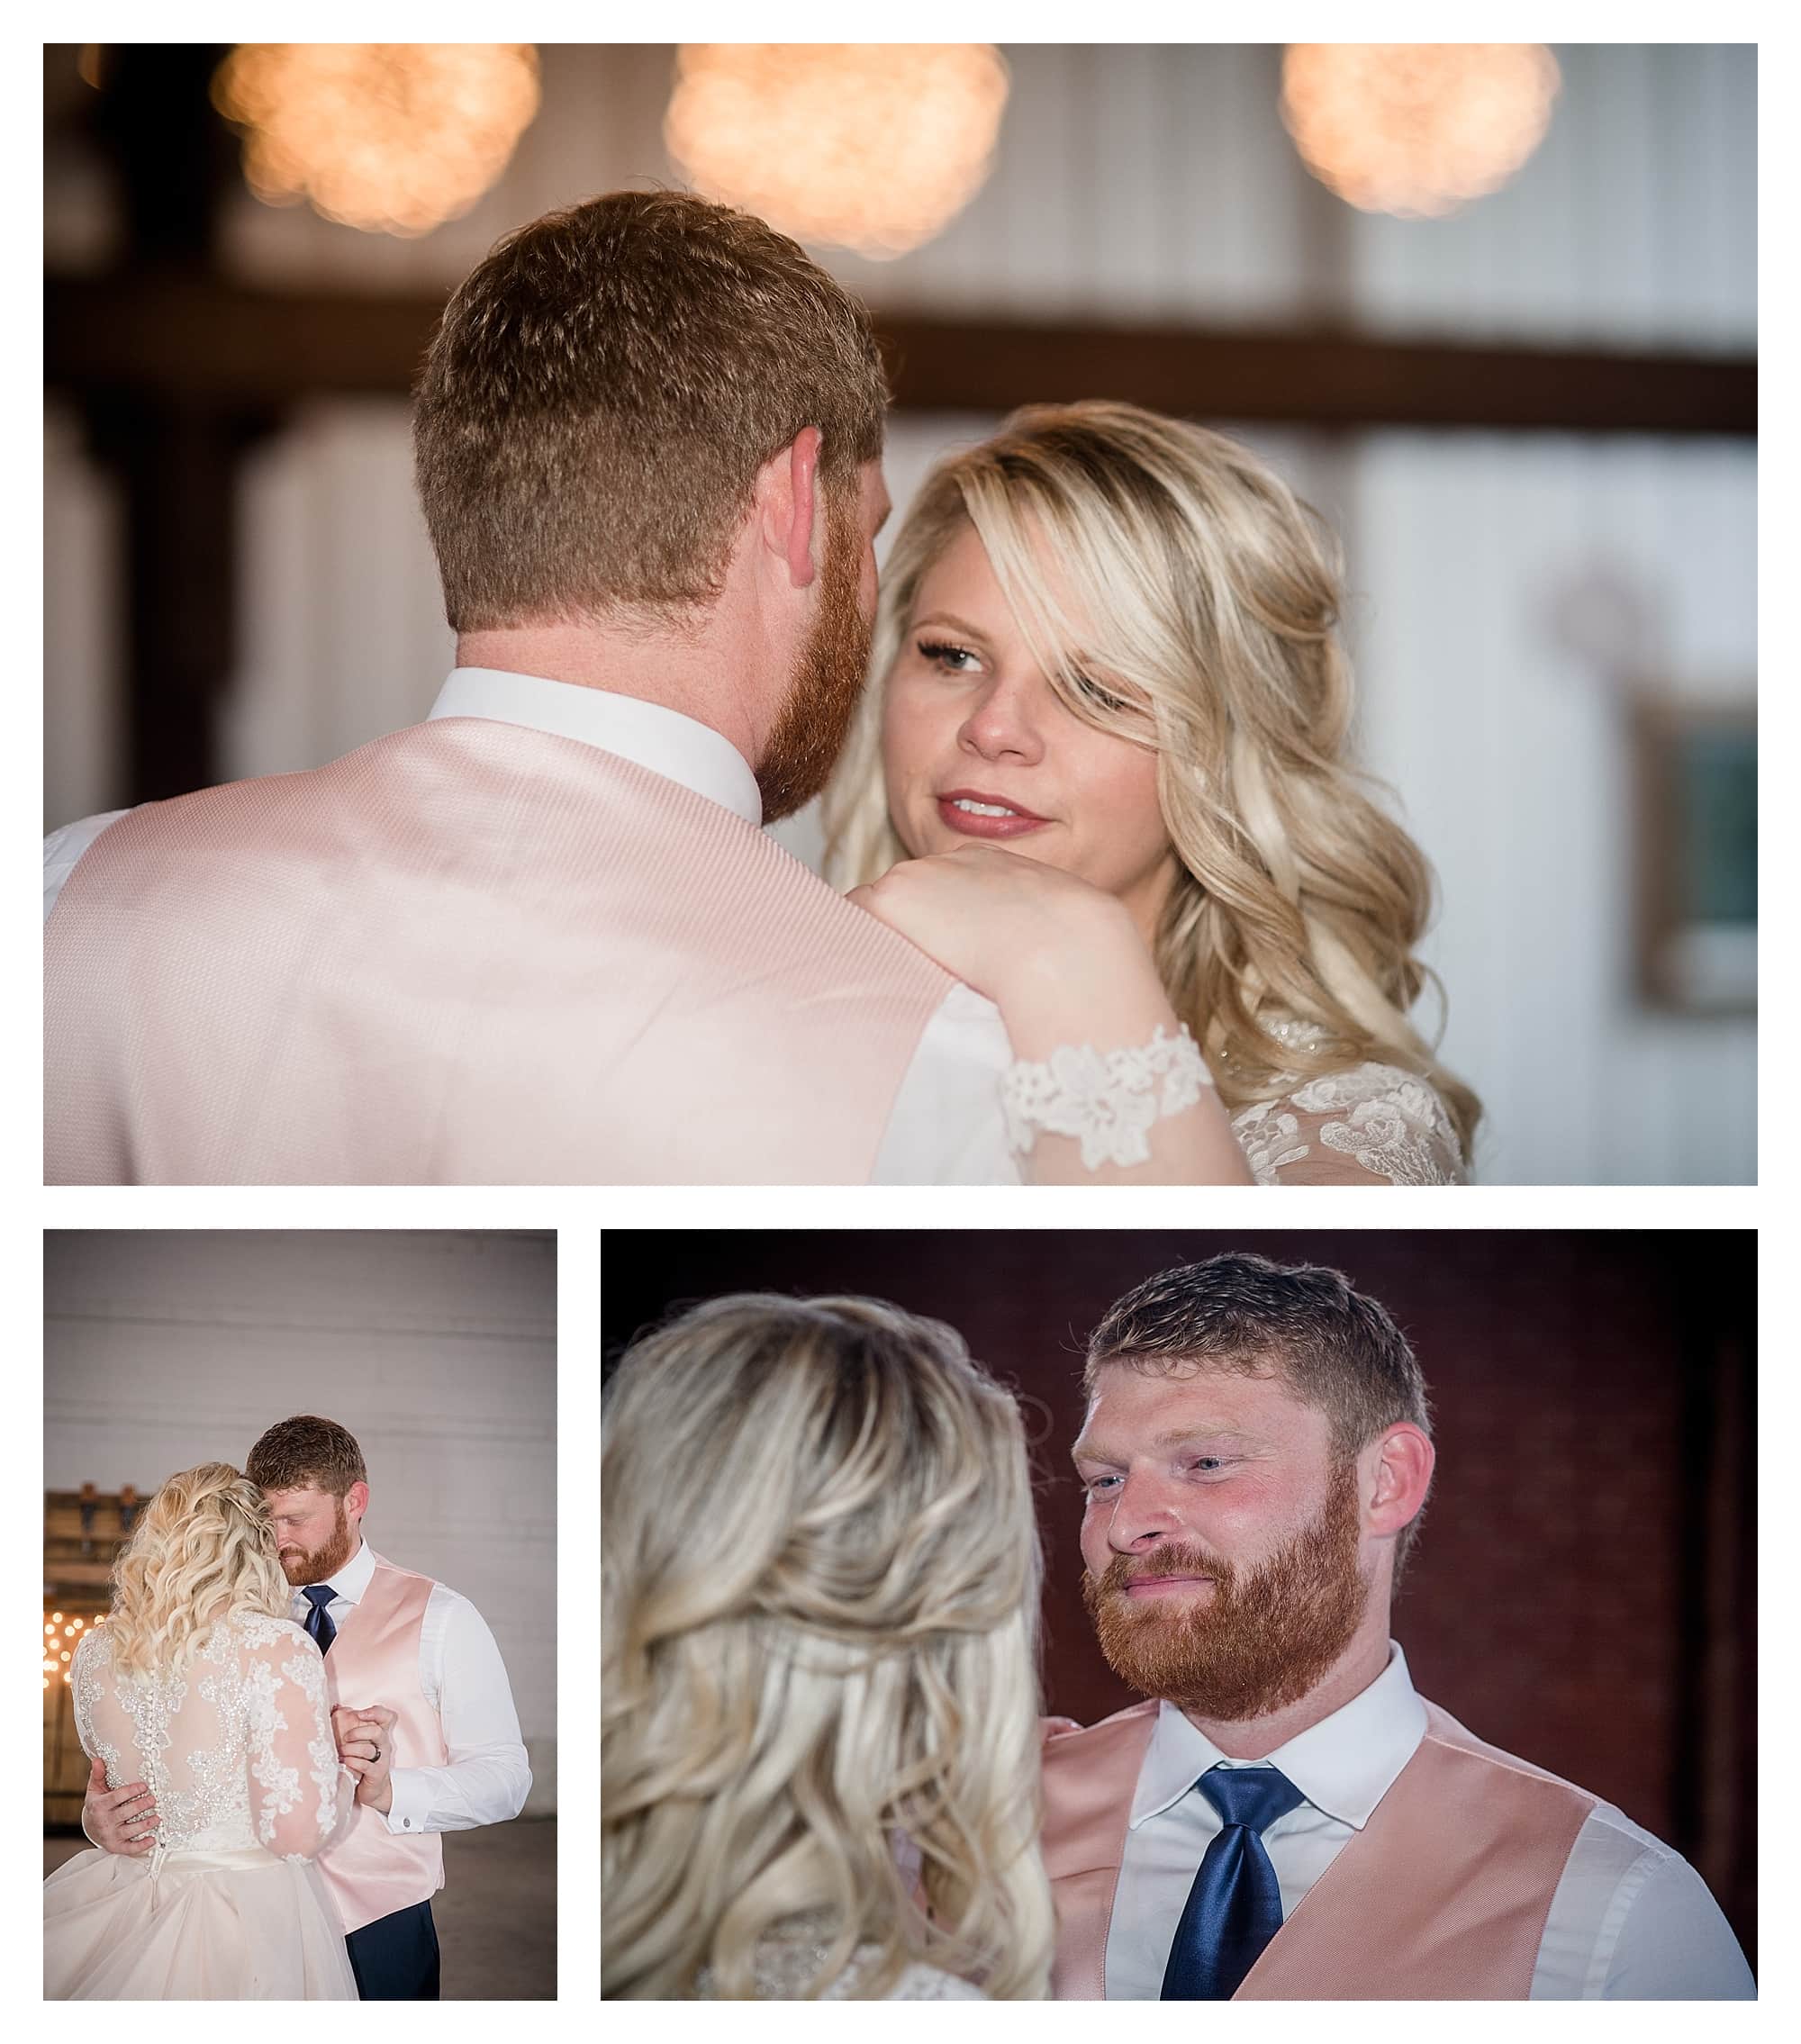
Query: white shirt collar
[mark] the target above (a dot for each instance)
(1344, 1764)
(354, 1578)
(678, 747)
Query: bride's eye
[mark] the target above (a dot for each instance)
(941, 652)
(1102, 698)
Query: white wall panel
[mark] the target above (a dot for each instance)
(1510, 748)
(438, 1351)
(344, 636)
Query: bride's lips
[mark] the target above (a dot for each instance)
(972, 822)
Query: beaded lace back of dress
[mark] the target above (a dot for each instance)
(236, 1748)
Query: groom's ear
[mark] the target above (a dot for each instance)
(788, 505)
(357, 1498)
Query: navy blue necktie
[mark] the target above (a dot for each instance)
(317, 1620)
(1235, 1907)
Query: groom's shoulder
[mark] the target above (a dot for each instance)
(1055, 1731)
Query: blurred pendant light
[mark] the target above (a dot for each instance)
(395, 137)
(1417, 129)
(869, 145)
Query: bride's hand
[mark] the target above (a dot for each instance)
(1037, 941)
(1065, 965)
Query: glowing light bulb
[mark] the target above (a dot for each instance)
(394, 138)
(1417, 129)
(870, 146)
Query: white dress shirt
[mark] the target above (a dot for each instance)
(1631, 1919)
(463, 1680)
(945, 1127)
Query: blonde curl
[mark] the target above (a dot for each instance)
(203, 1549)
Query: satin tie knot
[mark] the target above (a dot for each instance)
(319, 1620)
(1236, 1905)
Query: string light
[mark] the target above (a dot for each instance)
(393, 138)
(1417, 129)
(870, 146)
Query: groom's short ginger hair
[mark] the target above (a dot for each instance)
(600, 392)
(1334, 1347)
(306, 1452)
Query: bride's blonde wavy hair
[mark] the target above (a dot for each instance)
(1194, 608)
(819, 1588)
(203, 1549)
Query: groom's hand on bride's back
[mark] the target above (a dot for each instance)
(118, 1820)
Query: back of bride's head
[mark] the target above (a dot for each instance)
(819, 1581)
(201, 1551)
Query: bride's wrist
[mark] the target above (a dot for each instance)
(1104, 991)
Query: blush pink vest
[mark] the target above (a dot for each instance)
(370, 1870)
(468, 954)
(1443, 1896)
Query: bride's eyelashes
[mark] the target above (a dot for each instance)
(1102, 697)
(948, 658)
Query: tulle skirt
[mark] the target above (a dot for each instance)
(238, 1925)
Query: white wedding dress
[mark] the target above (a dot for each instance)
(237, 1753)
(788, 1962)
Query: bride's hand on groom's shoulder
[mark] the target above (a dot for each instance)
(1006, 925)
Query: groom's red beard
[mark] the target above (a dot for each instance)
(300, 1567)
(815, 721)
(1266, 1636)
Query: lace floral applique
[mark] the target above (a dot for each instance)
(149, 1701)
(1109, 1102)
(789, 1959)
(1395, 1124)
(306, 1671)
(89, 1685)
(1267, 1137)
(280, 1784)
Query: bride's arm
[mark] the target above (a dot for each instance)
(299, 1793)
(1098, 1047)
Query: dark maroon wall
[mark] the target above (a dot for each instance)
(1582, 1593)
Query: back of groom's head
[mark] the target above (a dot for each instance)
(601, 393)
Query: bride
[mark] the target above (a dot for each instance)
(201, 1686)
(1101, 776)
(818, 1596)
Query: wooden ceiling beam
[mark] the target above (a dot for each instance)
(185, 339)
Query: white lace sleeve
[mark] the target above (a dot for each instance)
(1107, 1102)
(298, 1793)
(92, 1665)
(1374, 1125)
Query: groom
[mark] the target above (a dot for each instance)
(540, 938)
(421, 1707)
(1255, 1456)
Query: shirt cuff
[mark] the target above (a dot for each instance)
(405, 1815)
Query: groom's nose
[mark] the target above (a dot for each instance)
(1141, 1516)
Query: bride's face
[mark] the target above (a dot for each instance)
(978, 747)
